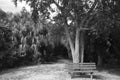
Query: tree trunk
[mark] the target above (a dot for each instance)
(82, 47)
(74, 49)
(76, 56)
(77, 50)
(70, 42)
(69, 52)
(99, 62)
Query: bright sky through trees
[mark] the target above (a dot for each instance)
(8, 6)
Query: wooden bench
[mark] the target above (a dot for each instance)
(82, 68)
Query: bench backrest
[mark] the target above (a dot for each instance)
(83, 66)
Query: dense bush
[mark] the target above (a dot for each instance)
(23, 42)
(20, 40)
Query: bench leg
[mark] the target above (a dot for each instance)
(71, 74)
(91, 76)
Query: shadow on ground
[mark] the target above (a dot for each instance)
(56, 71)
(96, 77)
(114, 69)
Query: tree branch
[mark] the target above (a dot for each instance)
(69, 38)
(88, 13)
(58, 6)
(93, 7)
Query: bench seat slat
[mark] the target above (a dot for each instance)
(83, 71)
(79, 65)
(82, 63)
(82, 68)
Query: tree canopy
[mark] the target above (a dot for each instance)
(98, 17)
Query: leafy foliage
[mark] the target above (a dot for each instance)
(37, 36)
(22, 41)
(100, 20)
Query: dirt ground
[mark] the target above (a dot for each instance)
(53, 71)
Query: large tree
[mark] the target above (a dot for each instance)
(107, 20)
(71, 14)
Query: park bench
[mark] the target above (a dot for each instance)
(82, 68)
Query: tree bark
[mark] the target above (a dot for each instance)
(76, 55)
(70, 42)
(82, 47)
(99, 62)
(74, 48)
